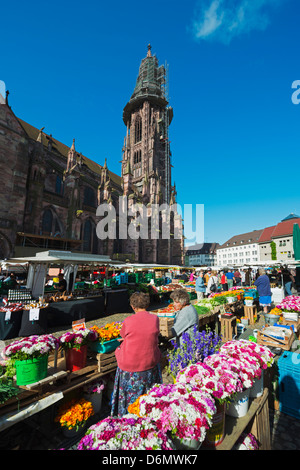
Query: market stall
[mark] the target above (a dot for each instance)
(52, 309)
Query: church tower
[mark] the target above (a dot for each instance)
(147, 117)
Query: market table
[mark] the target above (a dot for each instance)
(64, 313)
(9, 328)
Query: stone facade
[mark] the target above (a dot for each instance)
(50, 192)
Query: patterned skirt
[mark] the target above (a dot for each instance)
(130, 385)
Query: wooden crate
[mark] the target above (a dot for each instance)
(266, 340)
(295, 324)
(165, 326)
(250, 311)
(228, 327)
(107, 362)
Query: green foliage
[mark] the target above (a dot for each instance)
(273, 251)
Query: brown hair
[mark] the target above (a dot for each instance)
(140, 300)
(181, 296)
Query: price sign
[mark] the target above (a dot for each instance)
(7, 315)
(34, 314)
(78, 324)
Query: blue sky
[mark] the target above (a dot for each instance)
(72, 67)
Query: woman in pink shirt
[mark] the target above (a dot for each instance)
(138, 356)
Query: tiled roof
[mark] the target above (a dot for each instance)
(243, 239)
(203, 248)
(63, 150)
(266, 235)
(285, 228)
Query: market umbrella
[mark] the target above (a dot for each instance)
(296, 241)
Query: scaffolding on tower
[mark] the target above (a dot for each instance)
(167, 142)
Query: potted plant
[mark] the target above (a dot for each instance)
(185, 414)
(28, 357)
(73, 415)
(106, 337)
(75, 343)
(93, 392)
(127, 433)
(195, 347)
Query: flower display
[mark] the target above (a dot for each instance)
(195, 347)
(127, 433)
(219, 381)
(250, 351)
(76, 339)
(74, 413)
(31, 347)
(290, 303)
(246, 371)
(108, 332)
(178, 409)
(246, 442)
(94, 387)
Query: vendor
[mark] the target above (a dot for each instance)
(62, 284)
(138, 356)
(186, 317)
(264, 290)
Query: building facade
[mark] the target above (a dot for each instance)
(201, 254)
(50, 192)
(276, 242)
(239, 250)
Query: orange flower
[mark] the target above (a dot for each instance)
(108, 332)
(74, 413)
(134, 408)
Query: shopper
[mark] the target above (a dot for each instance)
(223, 281)
(200, 286)
(186, 316)
(288, 280)
(138, 356)
(264, 290)
(212, 285)
(243, 277)
(230, 278)
(248, 279)
(238, 278)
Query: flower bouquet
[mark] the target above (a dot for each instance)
(195, 347)
(179, 410)
(93, 393)
(107, 337)
(212, 377)
(77, 339)
(28, 357)
(248, 350)
(73, 415)
(75, 345)
(246, 442)
(127, 433)
(31, 346)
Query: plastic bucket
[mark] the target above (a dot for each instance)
(215, 434)
(108, 346)
(238, 406)
(95, 399)
(76, 358)
(257, 388)
(31, 370)
(186, 444)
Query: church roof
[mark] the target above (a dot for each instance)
(33, 133)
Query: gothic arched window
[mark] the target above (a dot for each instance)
(89, 197)
(138, 130)
(87, 236)
(47, 222)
